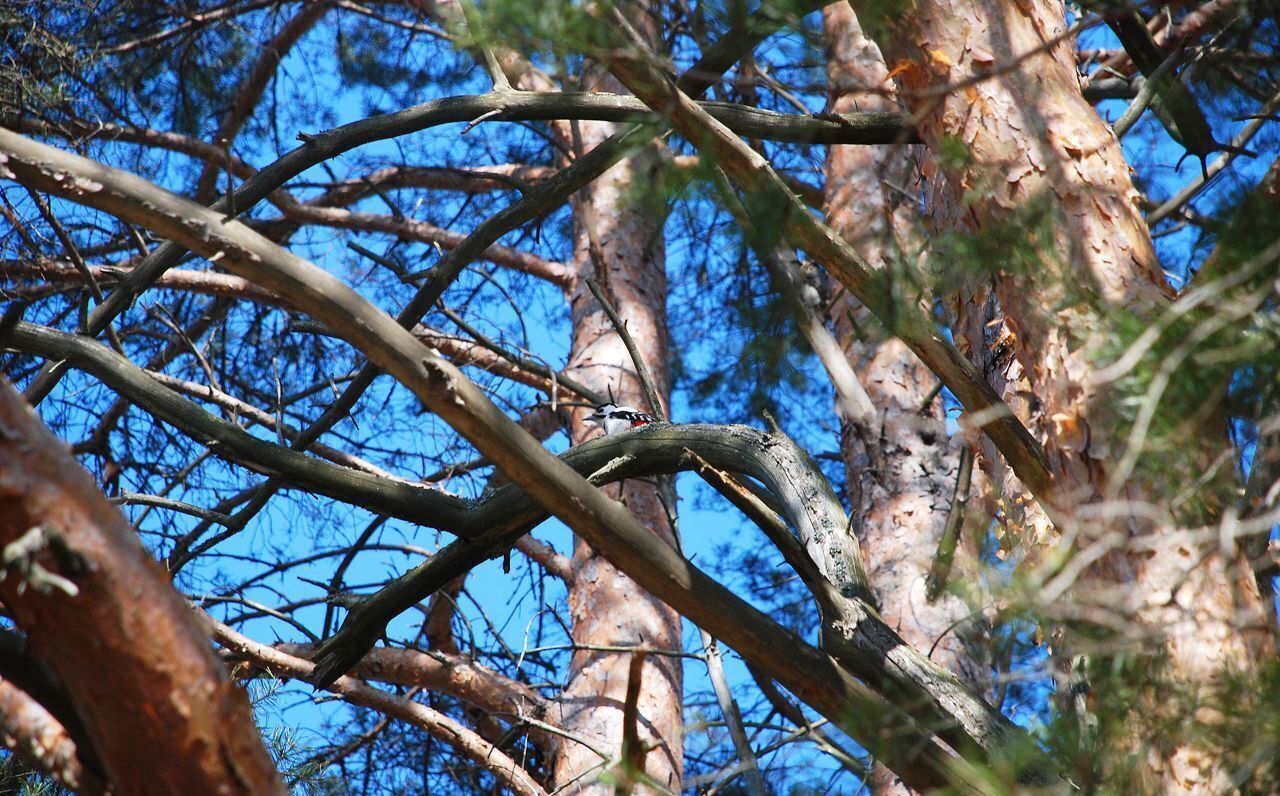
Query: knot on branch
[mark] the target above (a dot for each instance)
(23, 557)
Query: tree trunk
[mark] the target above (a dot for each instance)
(1043, 177)
(900, 467)
(606, 606)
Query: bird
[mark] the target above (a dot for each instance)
(617, 419)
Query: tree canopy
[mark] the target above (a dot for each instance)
(956, 320)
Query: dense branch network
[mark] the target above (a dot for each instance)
(923, 702)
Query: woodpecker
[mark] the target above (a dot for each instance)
(617, 419)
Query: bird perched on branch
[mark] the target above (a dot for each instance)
(617, 419)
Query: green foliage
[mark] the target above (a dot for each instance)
(878, 17)
(370, 55)
(1137, 707)
(1249, 728)
(1213, 356)
(557, 26)
(759, 365)
(18, 779)
(43, 47)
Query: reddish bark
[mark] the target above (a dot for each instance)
(466, 741)
(38, 739)
(1042, 174)
(448, 672)
(155, 702)
(1032, 143)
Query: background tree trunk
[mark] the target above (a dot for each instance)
(617, 215)
(901, 467)
(1041, 167)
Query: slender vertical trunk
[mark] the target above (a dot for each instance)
(901, 468)
(607, 607)
(1044, 178)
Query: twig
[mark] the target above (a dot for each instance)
(1151, 87)
(1237, 145)
(633, 752)
(521, 362)
(748, 764)
(767, 520)
(943, 559)
(929, 396)
(481, 119)
(134, 498)
(500, 81)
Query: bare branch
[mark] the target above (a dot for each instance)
(250, 92)
(550, 482)
(642, 370)
(440, 726)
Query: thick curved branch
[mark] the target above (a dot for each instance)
(817, 128)
(852, 629)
